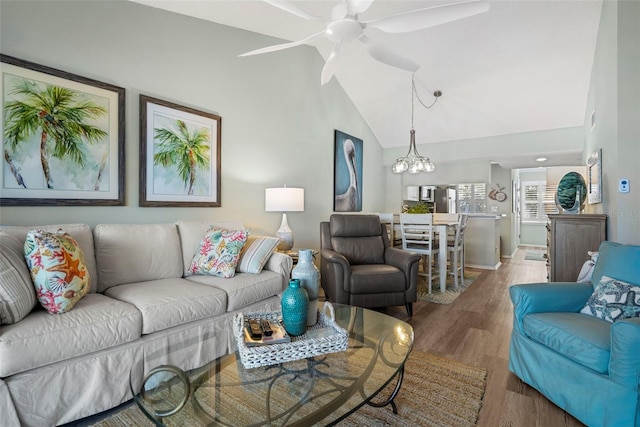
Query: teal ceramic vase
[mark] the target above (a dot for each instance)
(294, 304)
(309, 276)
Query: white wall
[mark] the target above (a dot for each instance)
(277, 121)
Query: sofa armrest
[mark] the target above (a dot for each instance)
(624, 363)
(404, 260)
(335, 275)
(281, 264)
(547, 297)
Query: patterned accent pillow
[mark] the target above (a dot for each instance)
(218, 252)
(58, 269)
(17, 296)
(613, 300)
(255, 253)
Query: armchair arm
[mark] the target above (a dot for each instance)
(335, 276)
(547, 297)
(404, 260)
(624, 363)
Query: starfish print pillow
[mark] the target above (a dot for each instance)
(613, 300)
(57, 268)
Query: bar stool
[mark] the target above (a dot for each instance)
(456, 248)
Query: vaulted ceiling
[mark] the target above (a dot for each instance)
(521, 66)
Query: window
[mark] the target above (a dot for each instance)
(472, 198)
(538, 200)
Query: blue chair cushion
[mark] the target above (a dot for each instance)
(582, 338)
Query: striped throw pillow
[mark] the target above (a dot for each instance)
(17, 295)
(255, 253)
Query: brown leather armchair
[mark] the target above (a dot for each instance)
(359, 267)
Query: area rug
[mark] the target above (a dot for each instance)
(450, 294)
(535, 255)
(435, 392)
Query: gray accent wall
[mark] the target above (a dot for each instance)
(277, 120)
(614, 95)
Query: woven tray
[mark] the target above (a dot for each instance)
(333, 339)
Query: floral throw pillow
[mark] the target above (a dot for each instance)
(218, 252)
(613, 300)
(58, 269)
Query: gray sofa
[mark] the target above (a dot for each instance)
(59, 368)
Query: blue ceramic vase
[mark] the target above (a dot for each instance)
(294, 304)
(309, 276)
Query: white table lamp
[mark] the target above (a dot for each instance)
(284, 199)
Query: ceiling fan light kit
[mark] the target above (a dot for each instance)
(345, 26)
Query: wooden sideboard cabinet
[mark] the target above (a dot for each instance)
(569, 238)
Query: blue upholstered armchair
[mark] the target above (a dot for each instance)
(586, 365)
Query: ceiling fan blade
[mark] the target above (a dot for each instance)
(428, 17)
(339, 11)
(358, 6)
(389, 56)
(288, 7)
(331, 65)
(283, 45)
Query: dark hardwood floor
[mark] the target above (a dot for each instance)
(476, 329)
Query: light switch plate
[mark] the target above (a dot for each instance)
(623, 185)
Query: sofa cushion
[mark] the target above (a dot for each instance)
(218, 252)
(80, 232)
(255, 253)
(191, 233)
(131, 253)
(582, 338)
(613, 300)
(57, 268)
(17, 296)
(170, 302)
(97, 322)
(244, 289)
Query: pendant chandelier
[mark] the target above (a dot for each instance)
(413, 162)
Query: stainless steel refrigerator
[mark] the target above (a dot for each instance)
(445, 200)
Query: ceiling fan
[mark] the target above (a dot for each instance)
(344, 25)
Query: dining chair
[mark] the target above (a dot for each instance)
(456, 248)
(387, 219)
(417, 236)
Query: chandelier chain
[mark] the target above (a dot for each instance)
(413, 84)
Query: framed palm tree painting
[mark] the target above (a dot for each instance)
(63, 137)
(179, 155)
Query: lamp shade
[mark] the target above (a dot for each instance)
(284, 199)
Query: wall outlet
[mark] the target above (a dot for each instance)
(623, 185)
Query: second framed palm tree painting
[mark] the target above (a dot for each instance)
(179, 155)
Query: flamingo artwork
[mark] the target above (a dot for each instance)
(349, 200)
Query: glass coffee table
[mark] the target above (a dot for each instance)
(320, 390)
